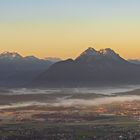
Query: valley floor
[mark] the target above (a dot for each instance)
(70, 116)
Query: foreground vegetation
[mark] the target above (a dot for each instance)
(112, 129)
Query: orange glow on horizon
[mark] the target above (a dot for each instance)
(50, 40)
(65, 53)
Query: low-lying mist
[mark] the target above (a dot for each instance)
(96, 90)
(95, 102)
(64, 102)
(67, 97)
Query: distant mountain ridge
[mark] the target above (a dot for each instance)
(135, 61)
(53, 59)
(16, 70)
(16, 56)
(90, 67)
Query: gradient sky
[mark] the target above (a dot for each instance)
(64, 28)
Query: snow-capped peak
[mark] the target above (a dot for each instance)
(10, 55)
(90, 52)
(108, 52)
(91, 55)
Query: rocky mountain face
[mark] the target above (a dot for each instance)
(91, 67)
(103, 56)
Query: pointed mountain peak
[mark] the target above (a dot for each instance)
(90, 49)
(88, 53)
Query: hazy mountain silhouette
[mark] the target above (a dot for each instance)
(135, 61)
(53, 59)
(89, 68)
(16, 70)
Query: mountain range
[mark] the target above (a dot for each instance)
(16, 70)
(89, 68)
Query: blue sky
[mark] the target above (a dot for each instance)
(63, 9)
(53, 27)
